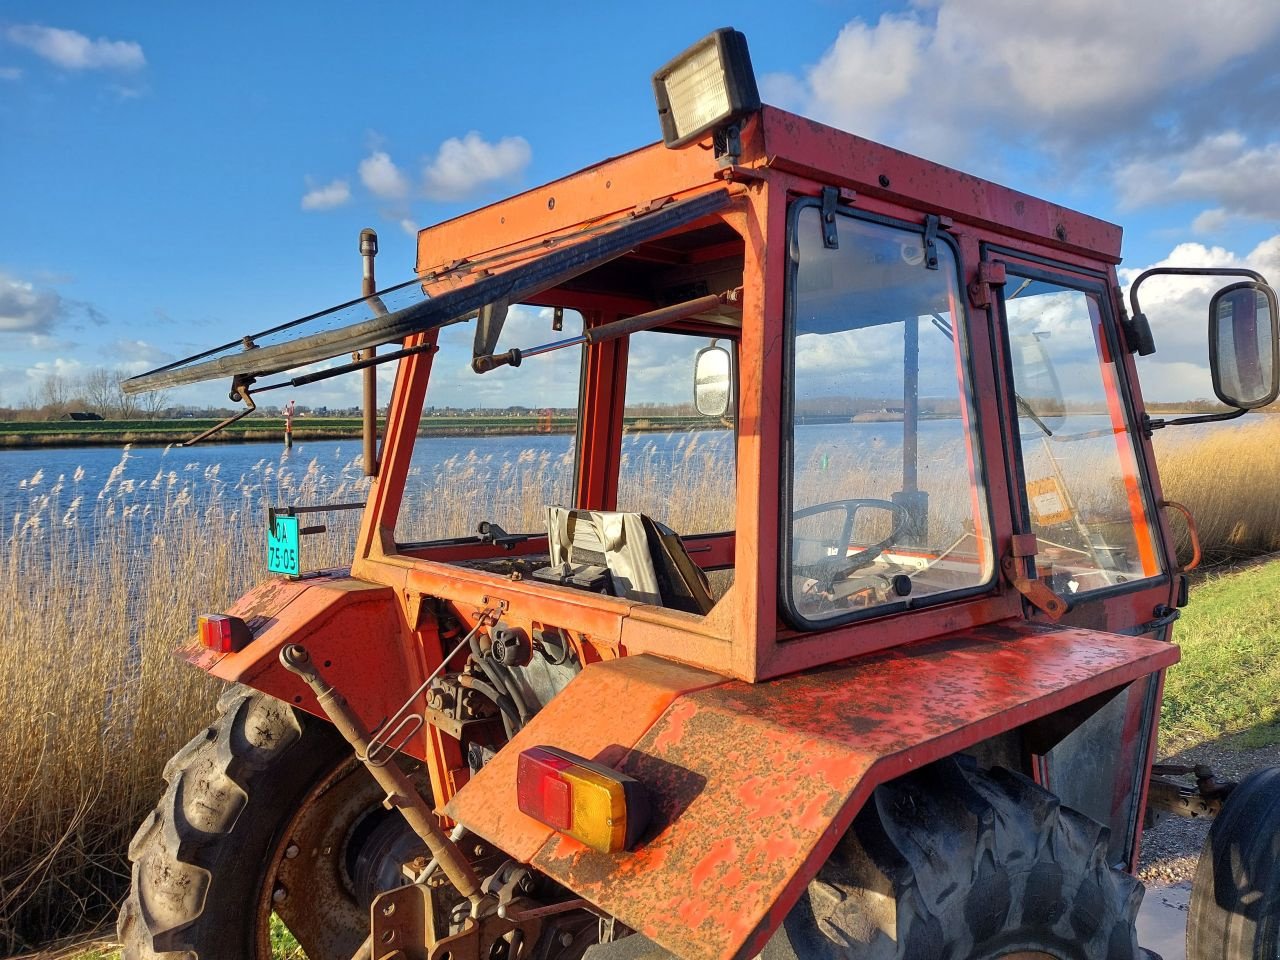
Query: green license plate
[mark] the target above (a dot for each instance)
(282, 547)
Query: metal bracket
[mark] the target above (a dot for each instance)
(931, 224)
(991, 273)
(1038, 594)
(830, 236)
(489, 328)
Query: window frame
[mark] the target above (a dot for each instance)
(576, 438)
(1090, 283)
(787, 607)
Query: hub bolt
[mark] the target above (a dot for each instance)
(280, 894)
(291, 851)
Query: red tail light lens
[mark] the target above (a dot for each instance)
(223, 633)
(602, 808)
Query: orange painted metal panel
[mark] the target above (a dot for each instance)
(806, 147)
(753, 784)
(355, 633)
(606, 708)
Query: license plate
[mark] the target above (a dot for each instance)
(282, 546)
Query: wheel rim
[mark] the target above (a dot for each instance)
(307, 881)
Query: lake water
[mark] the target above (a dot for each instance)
(70, 484)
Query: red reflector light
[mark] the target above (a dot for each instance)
(223, 633)
(602, 808)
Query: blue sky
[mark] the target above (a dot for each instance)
(178, 175)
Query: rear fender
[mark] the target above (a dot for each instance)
(354, 630)
(752, 785)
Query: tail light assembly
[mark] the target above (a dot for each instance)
(597, 806)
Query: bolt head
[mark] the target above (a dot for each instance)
(566, 939)
(291, 851)
(279, 895)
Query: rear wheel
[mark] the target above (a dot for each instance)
(265, 811)
(1235, 901)
(954, 862)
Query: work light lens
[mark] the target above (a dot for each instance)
(708, 86)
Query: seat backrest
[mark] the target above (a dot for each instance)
(646, 560)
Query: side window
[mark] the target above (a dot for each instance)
(498, 446)
(887, 498)
(677, 466)
(1083, 491)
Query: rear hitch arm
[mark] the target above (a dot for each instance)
(401, 793)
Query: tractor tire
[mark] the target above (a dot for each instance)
(255, 818)
(958, 863)
(1235, 900)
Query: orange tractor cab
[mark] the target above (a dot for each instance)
(815, 602)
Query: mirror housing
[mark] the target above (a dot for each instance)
(1244, 349)
(712, 381)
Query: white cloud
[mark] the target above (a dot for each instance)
(327, 196)
(949, 75)
(1223, 169)
(382, 177)
(462, 165)
(74, 51)
(1211, 221)
(1178, 310)
(409, 226)
(26, 308)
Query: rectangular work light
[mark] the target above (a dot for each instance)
(600, 807)
(709, 86)
(223, 633)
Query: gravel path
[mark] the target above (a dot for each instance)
(1171, 850)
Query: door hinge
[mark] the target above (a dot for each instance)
(1037, 592)
(830, 236)
(991, 273)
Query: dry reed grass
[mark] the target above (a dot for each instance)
(97, 587)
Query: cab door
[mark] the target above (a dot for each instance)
(1083, 487)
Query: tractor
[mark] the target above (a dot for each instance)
(826, 614)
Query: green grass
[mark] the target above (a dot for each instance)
(1229, 679)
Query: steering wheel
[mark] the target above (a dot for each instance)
(832, 569)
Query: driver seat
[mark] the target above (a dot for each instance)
(645, 560)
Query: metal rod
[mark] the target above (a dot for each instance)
(401, 793)
(610, 331)
(369, 286)
(250, 406)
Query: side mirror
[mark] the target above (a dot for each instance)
(1244, 349)
(712, 381)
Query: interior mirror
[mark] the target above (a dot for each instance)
(712, 381)
(1039, 395)
(1243, 345)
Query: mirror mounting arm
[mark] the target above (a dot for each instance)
(1137, 329)
(1151, 424)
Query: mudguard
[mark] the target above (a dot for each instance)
(752, 785)
(354, 630)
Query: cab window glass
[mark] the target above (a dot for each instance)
(1083, 490)
(888, 504)
(499, 446)
(676, 465)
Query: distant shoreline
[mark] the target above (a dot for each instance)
(106, 433)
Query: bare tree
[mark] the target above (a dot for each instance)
(152, 404)
(56, 394)
(99, 389)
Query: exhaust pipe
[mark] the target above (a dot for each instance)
(369, 286)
